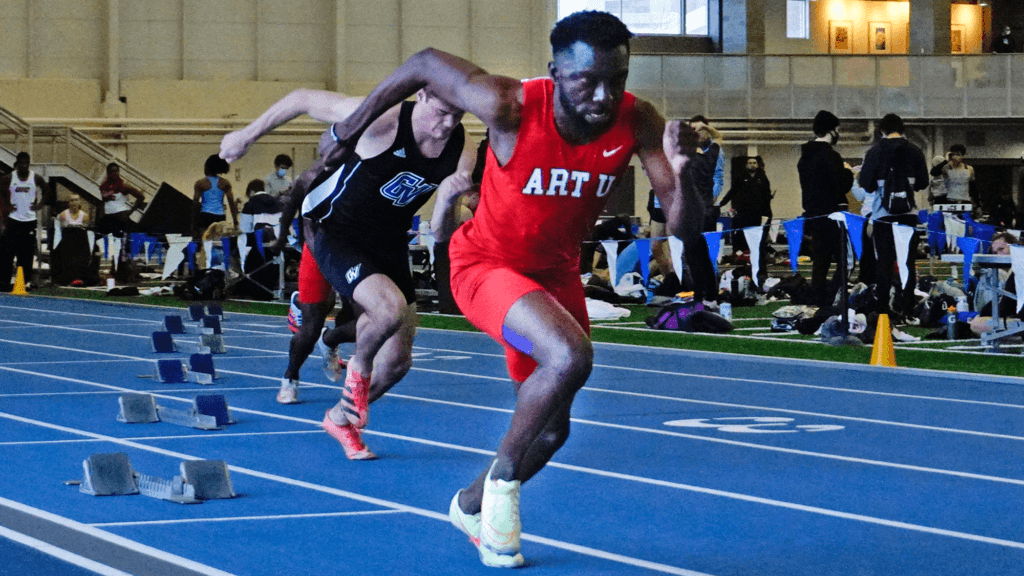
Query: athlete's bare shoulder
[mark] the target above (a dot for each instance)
(502, 104)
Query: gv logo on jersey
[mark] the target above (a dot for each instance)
(352, 273)
(405, 187)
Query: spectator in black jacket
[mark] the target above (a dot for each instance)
(751, 197)
(893, 147)
(824, 182)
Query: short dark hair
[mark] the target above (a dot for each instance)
(216, 165)
(22, 156)
(958, 149)
(255, 185)
(283, 159)
(113, 165)
(891, 123)
(699, 118)
(824, 122)
(1006, 236)
(598, 29)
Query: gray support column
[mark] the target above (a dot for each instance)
(112, 106)
(340, 77)
(929, 26)
(743, 27)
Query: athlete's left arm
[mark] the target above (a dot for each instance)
(444, 220)
(665, 151)
(231, 200)
(41, 190)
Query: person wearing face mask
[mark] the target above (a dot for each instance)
(278, 183)
(751, 197)
(824, 182)
(980, 324)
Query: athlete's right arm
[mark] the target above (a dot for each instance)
(318, 104)
(495, 100)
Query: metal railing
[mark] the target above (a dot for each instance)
(778, 87)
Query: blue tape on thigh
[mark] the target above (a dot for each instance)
(516, 341)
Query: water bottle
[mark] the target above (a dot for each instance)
(725, 309)
(961, 304)
(951, 323)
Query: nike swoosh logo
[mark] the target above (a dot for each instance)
(608, 153)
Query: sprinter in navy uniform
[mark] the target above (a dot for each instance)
(362, 212)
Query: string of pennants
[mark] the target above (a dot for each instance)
(945, 231)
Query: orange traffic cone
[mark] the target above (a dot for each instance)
(19, 284)
(882, 353)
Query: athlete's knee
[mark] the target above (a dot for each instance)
(388, 310)
(571, 359)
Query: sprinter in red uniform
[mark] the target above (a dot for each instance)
(558, 146)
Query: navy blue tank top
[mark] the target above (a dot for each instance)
(372, 201)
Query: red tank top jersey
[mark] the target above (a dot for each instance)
(536, 210)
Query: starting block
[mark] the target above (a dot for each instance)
(164, 343)
(137, 408)
(215, 342)
(208, 412)
(212, 323)
(210, 478)
(112, 475)
(199, 371)
(175, 325)
(175, 372)
(215, 310)
(108, 475)
(196, 312)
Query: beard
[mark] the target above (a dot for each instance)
(578, 120)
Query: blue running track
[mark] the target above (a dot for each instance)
(679, 462)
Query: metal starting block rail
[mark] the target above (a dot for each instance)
(211, 343)
(112, 475)
(208, 412)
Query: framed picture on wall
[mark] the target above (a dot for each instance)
(840, 36)
(880, 38)
(957, 38)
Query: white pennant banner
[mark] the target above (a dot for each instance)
(675, 251)
(430, 241)
(773, 232)
(955, 228)
(753, 236)
(175, 256)
(57, 233)
(243, 249)
(208, 249)
(611, 251)
(901, 236)
(1017, 263)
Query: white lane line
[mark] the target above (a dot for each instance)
(838, 457)
(643, 370)
(64, 362)
(61, 554)
(443, 517)
(115, 539)
(245, 518)
(649, 396)
(581, 469)
(198, 436)
(612, 367)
